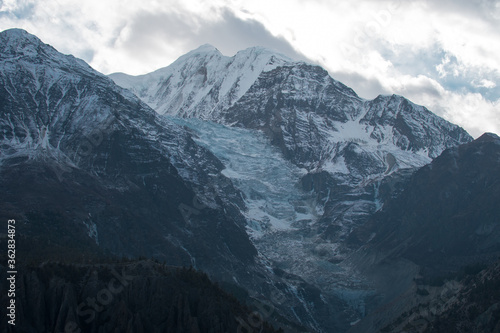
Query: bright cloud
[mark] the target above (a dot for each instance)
(444, 55)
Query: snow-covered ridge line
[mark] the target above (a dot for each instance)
(202, 79)
(235, 91)
(60, 107)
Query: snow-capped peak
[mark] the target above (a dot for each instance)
(205, 51)
(261, 51)
(19, 43)
(16, 36)
(205, 48)
(304, 110)
(202, 82)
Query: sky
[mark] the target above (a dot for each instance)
(443, 54)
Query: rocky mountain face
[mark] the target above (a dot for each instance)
(299, 106)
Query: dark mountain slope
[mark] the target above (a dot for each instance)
(84, 161)
(470, 304)
(445, 221)
(447, 216)
(137, 296)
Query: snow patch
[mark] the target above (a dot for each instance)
(92, 229)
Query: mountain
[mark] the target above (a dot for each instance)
(318, 123)
(467, 305)
(87, 168)
(261, 171)
(201, 83)
(348, 155)
(89, 171)
(84, 157)
(298, 105)
(445, 221)
(447, 215)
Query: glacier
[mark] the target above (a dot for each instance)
(269, 183)
(282, 218)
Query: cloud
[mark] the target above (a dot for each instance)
(442, 54)
(484, 83)
(444, 67)
(486, 10)
(419, 86)
(365, 86)
(471, 111)
(16, 9)
(148, 36)
(137, 37)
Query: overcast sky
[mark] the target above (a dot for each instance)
(442, 54)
